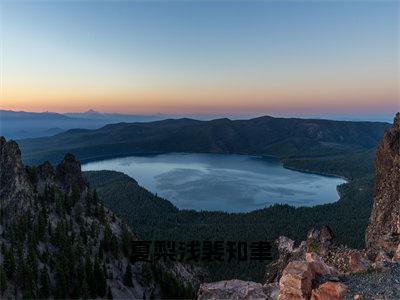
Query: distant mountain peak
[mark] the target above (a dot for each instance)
(92, 112)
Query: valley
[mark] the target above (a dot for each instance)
(155, 218)
(342, 149)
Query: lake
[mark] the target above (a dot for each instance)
(231, 183)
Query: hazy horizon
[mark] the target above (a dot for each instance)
(339, 117)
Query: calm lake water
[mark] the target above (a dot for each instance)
(232, 183)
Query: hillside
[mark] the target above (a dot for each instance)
(264, 136)
(156, 218)
(320, 267)
(58, 240)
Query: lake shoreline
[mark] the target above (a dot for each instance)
(215, 184)
(281, 160)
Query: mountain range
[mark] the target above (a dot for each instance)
(21, 124)
(281, 137)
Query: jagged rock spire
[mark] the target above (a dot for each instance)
(68, 174)
(15, 190)
(383, 230)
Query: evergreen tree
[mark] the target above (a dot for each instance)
(41, 224)
(100, 279)
(20, 270)
(126, 240)
(95, 197)
(9, 263)
(81, 279)
(32, 259)
(49, 230)
(91, 283)
(3, 280)
(109, 294)
(61, 285)
(44, 291)
(29, 283)
(88, 204)
(100, 253)
(107, 237)
(128, 276)
(114, 246)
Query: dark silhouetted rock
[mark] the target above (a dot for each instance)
(15, 189)
(45, 176)
(69, 175)
(383, 230)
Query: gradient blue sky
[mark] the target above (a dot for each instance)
(201, 57)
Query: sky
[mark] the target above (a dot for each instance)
(208, 57)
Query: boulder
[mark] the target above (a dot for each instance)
(382, 257)
(326, 235)
(381, 260)
(235, 289)
(318, 266)
(329, 291)
(287, 253)
(284, 244)
(319, 241)
(296, 281)
(396, 256)
(357, 262)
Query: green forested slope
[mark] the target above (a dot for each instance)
(262, 136)
(156, 219)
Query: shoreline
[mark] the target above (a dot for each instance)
(277, 159)
(317, 173)
(281, 160)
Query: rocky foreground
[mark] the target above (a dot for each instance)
(319, 268)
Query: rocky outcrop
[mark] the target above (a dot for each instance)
(329, 291)
(383, 230)
(358, 263)
(320, 269)
(318, 265)
(396, 256)
(236, 289)
(50, 220)
(69, 175)
(287, 253)
(45, 176)
(296, 281)
(15, 189)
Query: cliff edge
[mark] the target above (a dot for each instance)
(383, 232)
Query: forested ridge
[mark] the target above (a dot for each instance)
(335, 148)
(280, 137)
(58, 240)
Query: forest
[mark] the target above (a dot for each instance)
(154, 218)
